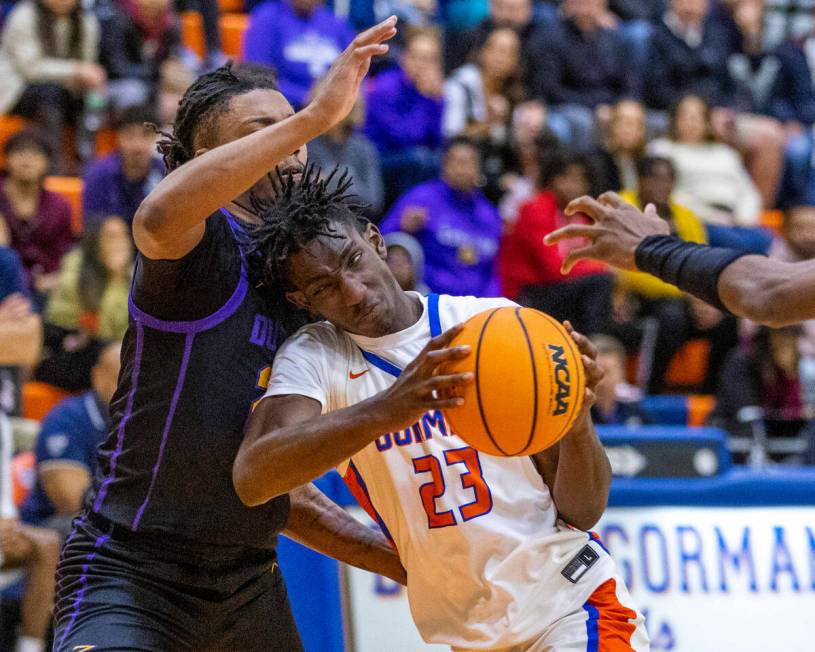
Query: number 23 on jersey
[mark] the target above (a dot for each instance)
(465, 463)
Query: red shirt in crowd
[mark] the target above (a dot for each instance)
(525, 260)
(43, 240)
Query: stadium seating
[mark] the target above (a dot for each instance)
(231, 6)
(679, 410)
(232, 25)
(700, 407)
(9, 125)
(689, 365)
(70, 188)
(39, 398)
(192, 32)
(105, 142)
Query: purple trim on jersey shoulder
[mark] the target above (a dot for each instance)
(182, 373)
(120, 433)
(83, 586)
(199, 325)
(205, 323)
(364, 488)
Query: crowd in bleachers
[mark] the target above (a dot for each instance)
(484, 121)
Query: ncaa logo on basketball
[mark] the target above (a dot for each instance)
(562, 378)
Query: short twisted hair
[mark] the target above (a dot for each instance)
(302, 211)
(207, 98)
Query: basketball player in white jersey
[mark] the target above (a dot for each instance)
(491, 562)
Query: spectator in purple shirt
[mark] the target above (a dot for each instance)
(38, 221)
(404, 114)
(458, 228)
(300, 39)
(117, 184)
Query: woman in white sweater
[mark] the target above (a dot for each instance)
(48, 59)
(711, 177)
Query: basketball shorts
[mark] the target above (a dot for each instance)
(607, 622)
(119, 591)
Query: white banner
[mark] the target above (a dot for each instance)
(709, 579)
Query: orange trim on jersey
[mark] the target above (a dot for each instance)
(356, 485)
(614, 628)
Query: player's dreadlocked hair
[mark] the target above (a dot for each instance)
(302, 211)
(206, 99)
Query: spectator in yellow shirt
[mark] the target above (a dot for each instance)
(656, 182)
(667, 319)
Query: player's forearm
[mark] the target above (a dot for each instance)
(192, 192)
(274, 461)
(317, 522)
(769, 291)
(583, 478)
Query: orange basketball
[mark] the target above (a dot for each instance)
(529, 382)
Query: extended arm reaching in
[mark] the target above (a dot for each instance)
(767, 291)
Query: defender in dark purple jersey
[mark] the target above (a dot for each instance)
(165, 556)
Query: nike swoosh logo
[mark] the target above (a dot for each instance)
(354, 376)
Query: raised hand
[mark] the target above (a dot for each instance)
(614, 236)
(335, 95)
(419, 388)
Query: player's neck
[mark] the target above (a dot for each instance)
(407, 311)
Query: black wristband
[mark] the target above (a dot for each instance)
(692, 267)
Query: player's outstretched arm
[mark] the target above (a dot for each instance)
(170, 221)
(577, 470)
(288, 442)
(322, 525)
(767, 291)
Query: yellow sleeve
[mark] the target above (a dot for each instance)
(688, 227)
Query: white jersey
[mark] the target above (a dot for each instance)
(478, 535)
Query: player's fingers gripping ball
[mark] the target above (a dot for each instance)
(529, 382)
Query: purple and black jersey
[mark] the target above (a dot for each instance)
(196, 356)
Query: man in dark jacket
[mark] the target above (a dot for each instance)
(134, 44)
(688, 54)
(580, 67)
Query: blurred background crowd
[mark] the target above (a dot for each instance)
(486, 119)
